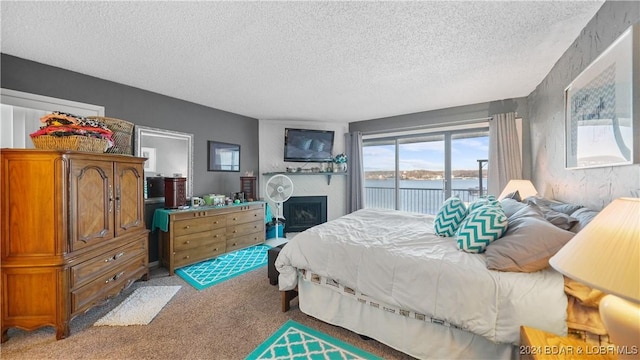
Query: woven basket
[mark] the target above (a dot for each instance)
(73, 142)
(122, 134)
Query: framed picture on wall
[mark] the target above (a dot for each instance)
(601, 118)
(223, 156)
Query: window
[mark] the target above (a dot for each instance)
(418, 172)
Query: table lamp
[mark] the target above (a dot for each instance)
(605, 255)
(524, 187)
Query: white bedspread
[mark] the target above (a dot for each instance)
(395, 257)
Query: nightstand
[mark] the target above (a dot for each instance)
(538, 344)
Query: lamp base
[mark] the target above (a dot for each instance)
(621, 318)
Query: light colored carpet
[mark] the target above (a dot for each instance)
(223, 322)
(296, 341)
(140, 307)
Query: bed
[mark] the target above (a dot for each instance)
(385, 274)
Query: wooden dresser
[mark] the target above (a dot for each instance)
(72, 236)
(203, 233)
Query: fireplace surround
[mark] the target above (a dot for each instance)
(304, 212)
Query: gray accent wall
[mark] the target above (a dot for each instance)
(146, 108)
(594, 187)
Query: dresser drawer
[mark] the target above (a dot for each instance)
(244, 229)
(193, 255)
(243, 241)
(245, 217)
(89, 269)
(107, 285)
(190, 241)
(191, 226)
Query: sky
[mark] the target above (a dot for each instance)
(427, 155)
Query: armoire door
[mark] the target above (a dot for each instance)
(91, 202)
(129, 202)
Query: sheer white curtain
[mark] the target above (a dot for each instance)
(505, 162)
(355, 175)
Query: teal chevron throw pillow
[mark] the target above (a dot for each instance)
(488, 200)
(481, 227)
(450, 216)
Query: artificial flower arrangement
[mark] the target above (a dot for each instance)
(340, 159)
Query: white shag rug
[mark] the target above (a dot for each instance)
(140, 307)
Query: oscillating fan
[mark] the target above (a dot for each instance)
(279, 189)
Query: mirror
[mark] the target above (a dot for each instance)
(169, 153)
(223, 157)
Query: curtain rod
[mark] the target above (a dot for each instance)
(426, 127)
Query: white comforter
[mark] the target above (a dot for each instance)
(395, 257)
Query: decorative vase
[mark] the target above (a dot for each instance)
(340, 167)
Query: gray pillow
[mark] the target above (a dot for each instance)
(511, 206)
(561, 220)
(548, 204)
(526, 246)
(583, 217)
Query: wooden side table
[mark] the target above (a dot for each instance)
(537, 344)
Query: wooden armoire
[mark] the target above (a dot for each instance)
(72, 234)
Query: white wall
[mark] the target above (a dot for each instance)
(271, 159)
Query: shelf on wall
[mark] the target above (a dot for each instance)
(327, 174)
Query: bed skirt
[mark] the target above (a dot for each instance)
(420, 339)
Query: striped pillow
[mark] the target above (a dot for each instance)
(483, 226)
(488, 200)
(450, 216)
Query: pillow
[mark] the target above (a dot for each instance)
(526, 246)
(489, 200)
(548, 204)
(526, 211)
(514, 195)
(449, 217)
(480, 228)
(583, 217)
(561, 220)
(511, 206)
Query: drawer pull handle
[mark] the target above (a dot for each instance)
(235, 218)
(235, 231)
(115, 277)
(114, 257)
(187, 242)
(216, 249)
(186, 257)
(215, 236)
(234, 244)
(186, 227)
(215, 222)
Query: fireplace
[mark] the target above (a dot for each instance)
(303, 212)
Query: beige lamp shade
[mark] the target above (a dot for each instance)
(606, 253)
(524, 187)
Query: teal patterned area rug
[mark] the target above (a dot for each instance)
(210, 272)
(296, 341)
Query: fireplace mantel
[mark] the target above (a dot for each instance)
(327, 174)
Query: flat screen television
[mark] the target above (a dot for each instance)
(308, 145)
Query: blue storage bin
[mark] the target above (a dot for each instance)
(271, 231)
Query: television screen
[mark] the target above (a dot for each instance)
(308, 145)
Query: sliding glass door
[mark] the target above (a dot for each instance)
(418, 172)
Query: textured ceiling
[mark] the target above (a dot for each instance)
(329, 61)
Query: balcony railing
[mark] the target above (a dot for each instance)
(421, 200)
